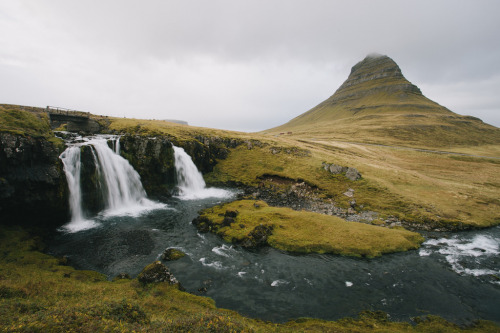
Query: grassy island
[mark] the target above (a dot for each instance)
(252, 223)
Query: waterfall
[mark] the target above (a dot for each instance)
(72, 165)
(190, 181)
(119, 183)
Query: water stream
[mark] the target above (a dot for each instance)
(452, 275)
(119, 184)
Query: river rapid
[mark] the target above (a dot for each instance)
(453, 275)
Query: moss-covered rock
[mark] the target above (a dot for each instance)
(171, 254)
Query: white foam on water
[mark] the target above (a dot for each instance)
(139, 208)
(215, 264)
(241, 274)
(223, 250)
(210, 192)
(79, 225)
(462, 251)
(424, 253)
(348, 284)
(277, 283)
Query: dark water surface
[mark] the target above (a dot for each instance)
(455, 277)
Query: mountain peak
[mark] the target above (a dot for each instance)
(379, 70)
(378, 104)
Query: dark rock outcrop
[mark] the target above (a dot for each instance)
(92, 196)
(156, 272)
(153, 159)
(258, 236)
(33, 188)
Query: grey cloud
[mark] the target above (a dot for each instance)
(271, 59)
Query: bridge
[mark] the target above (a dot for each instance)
(75, 121)
(56, 112)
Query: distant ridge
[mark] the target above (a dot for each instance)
(378, 104)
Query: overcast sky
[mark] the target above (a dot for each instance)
(241, 65)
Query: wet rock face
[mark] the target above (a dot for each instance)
(153, 159)
(33, 188)
(92, 198)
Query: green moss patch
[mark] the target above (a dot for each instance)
(253, 223)
(17, 120)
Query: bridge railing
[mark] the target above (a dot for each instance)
(66, 112)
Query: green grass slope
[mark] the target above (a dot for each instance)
(377, 104)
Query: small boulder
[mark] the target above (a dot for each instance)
(171, 254)
(349, 193)
(352, 174)
(156, 272)
(337, 169)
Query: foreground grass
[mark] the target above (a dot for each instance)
(39, 294)
(306, 232)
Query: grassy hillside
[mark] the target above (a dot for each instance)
(376, 104)
(24, 121)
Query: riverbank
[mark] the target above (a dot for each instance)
(40, 293)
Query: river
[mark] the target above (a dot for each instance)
(452, 275)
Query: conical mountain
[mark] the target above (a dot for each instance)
(378, 104)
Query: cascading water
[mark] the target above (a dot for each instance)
(119, 183)
(72, 166)
(190, 181)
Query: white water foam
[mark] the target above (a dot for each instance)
(79, 225)
(348, 284)
(223, 250)
(462, 252)
(215, 264)
(280, 282)
(190, 181)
